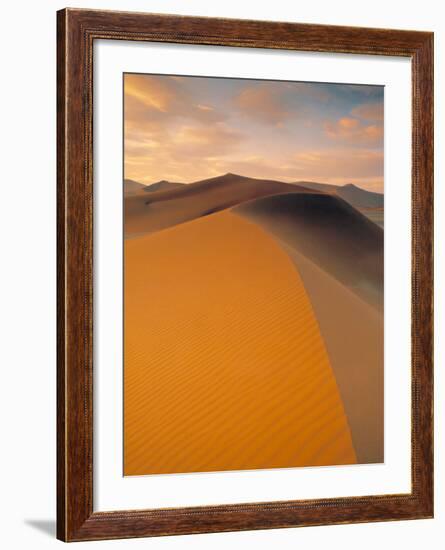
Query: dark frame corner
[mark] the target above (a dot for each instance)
(76, 32)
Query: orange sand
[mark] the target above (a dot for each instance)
(225, 368)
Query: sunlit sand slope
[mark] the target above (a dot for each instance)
(225, 368)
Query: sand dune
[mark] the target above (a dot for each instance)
(162, 185)
(225, 366)
(329, 232)
(351, 329)
(149, 212)
(131, 187)
(355, 196)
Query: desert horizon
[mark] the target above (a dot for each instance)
(253, 324)
(258, 177)
(369, 203)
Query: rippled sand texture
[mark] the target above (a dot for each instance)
(225, 366)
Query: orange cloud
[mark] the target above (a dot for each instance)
(276, 102)
(182, 129)
(149, 98)
(352, 130)
(369, 111)
(263, 103)
(152, 92)
(187, 153)
(200, 141)
(340, 163)
(166, 130)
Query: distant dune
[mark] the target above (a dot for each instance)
(355, 196)
(131, 187)
(163, 204)
(162, 185)
(329, 232)
(145, 213)
(225, 366)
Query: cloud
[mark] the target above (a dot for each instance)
(369, 111)
(263, 103)
(186, 129)
(363, 125)
(352, 130)
(186, 153)
(358, 91)
(168, 132)
(340, 163)
(149, 98)
(219, 137)
(153, 93)
(275, 103)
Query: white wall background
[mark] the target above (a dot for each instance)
(27, 230)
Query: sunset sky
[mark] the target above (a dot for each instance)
(186, 129)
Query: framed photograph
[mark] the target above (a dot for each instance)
(245, 228)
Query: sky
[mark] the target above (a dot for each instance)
(184, 129)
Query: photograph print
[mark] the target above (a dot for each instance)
(253, 274)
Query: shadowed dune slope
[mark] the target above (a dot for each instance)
(355, 196)
(377, 215)
(329, 232)
(225, 367)
(149, 212)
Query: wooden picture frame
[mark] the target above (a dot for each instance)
(77, 31)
